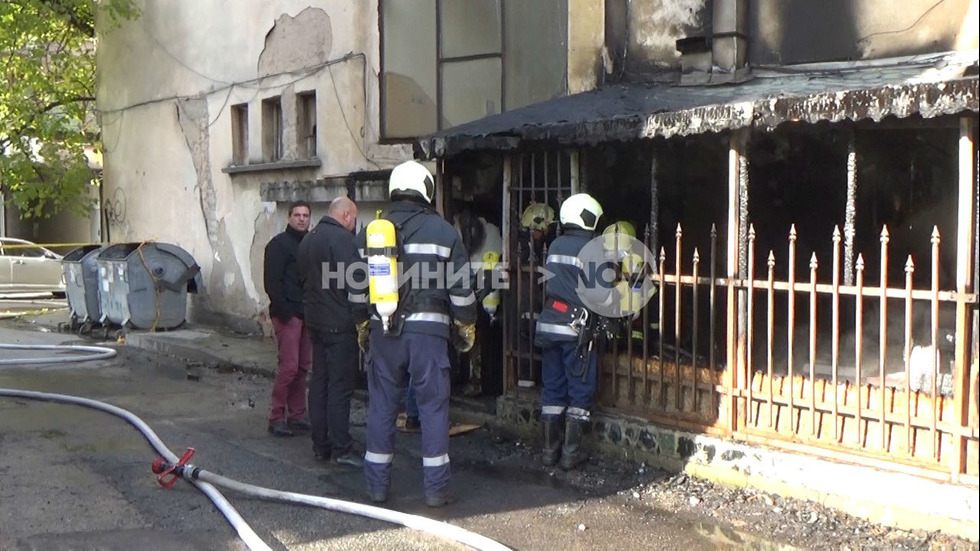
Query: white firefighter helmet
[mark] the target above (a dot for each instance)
(412, 178)
(580, 210)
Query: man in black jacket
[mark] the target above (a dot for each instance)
(323, 258)
(286, 311)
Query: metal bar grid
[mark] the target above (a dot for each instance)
(826, 403)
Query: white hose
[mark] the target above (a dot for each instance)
(204, 480)
(97, 353)
(244, 531)
(435, 527)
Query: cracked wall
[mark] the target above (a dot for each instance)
(656, 25)
(297, 43)
(167, 83)
(225, 289)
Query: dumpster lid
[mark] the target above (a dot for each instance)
(77, 254)
(193, 284)
(119, 251)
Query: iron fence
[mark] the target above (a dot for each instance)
(854, 372)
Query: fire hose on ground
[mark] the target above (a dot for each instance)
(169, 467)
(95, 353)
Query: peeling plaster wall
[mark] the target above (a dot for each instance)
(295, 43)
(586, 35)
(656, 25)
(165, 86)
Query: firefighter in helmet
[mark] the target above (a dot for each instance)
(410, 340)
(568, 377)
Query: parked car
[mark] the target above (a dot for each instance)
(29, 268)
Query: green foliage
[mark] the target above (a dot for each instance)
(47, 100)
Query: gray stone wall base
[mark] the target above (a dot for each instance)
(890, 498)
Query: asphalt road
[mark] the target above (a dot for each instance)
(76, 478)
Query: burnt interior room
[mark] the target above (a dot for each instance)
(691, 180)
(475, 184)
(905, 177)
(689, 177)
(907, 180)
(797, 176)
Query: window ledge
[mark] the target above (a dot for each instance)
(277, 165)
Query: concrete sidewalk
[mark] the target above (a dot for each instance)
(211, 346)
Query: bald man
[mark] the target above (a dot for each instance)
(323, 257)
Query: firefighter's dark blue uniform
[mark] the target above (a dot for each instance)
(566, 382)
(431, 255)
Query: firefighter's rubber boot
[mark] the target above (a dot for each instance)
(551, 437)
(572, 453)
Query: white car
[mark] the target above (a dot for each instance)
(29, 268)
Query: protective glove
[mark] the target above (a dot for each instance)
(363, 335)
(464, 336)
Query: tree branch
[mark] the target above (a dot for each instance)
(66, 101)
(84, 22)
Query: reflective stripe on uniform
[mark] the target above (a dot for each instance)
(361, 253)
(360, 299)
(378, 457)
(436, 461)
(428, 316)
(552, 410)
(579, 413)
(564, 259)
(462, 301)
(428, 248)
(557, 329)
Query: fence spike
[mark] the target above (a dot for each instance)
(678, 233)
(909, 265)
(663, 255)
(836, 234)
(792, 232)
(751, 232)
(697, 257)
(714, 230)
(935, 234)
(884, 234)
(859, 265)
(772, 259)
(813, 261)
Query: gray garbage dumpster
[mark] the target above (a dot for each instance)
(145, 285)
(82, 285)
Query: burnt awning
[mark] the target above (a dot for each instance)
(941, 85)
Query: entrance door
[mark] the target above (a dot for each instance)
(540, 181)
